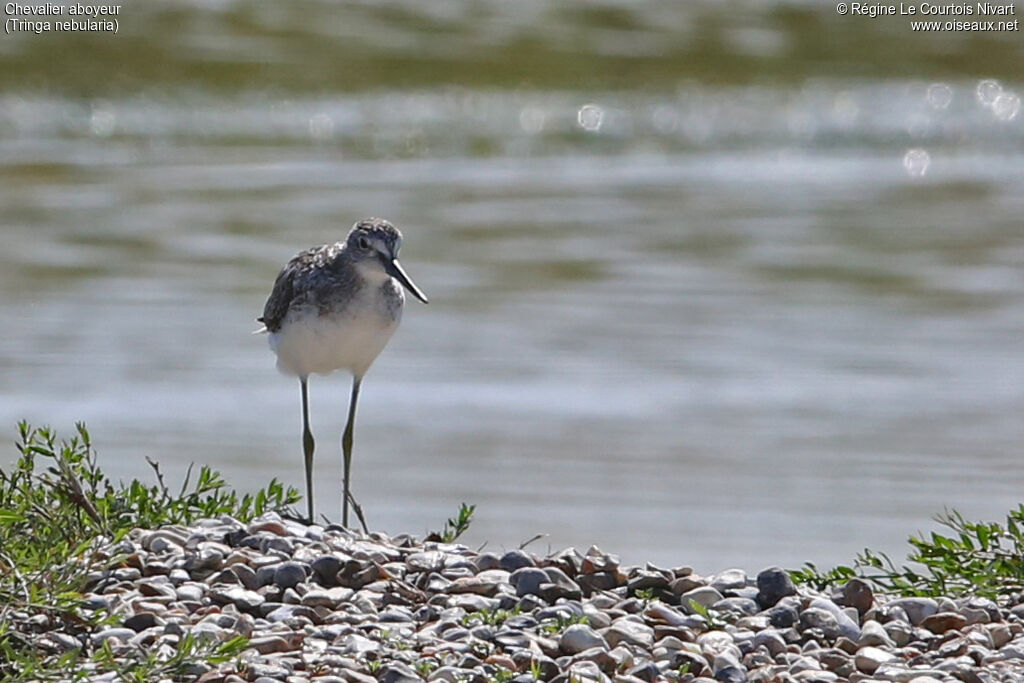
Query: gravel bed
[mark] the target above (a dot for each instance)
(329, 604)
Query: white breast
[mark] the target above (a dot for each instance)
(351, 339)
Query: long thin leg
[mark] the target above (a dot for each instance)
(307, 447)
(346, 446)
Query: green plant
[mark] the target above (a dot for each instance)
(561, 622)
(59, 518)
(501, 675)
(134, 665)
(425, 666)
(713, 620)
(536, 670)
(455, 526)
(489, 617)
(810, 575)
(978, 558)
(645, 594)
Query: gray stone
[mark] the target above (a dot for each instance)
(63, 641)
(243, 599)
(847, 626)
(728, 669)
(771, 640)
(647, 672)
(742, 607)
(580, 637)
(773, 584)
(625, 630)
(330, 598)
(515, 559)
(821, 619)
(647, 580)
(868, 659)
(729, 579)
(705, 596)
(873, 633)
(246, 575)
(783, 616)
(559, 586)
(289, 575)
(916, 608)
(528, 580)
(900, 632)
(325, 569)
(122, 634)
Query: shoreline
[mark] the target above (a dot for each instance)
(329, 604)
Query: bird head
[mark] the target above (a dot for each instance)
(374, 244)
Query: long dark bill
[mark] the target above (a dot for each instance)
(395, 270)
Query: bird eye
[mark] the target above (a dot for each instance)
(364, 243)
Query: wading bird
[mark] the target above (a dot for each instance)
(334, 307)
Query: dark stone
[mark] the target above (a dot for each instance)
(599, 581)
(515, 559)
(561, 610)
(696, 664)
(857, 594)
(278, 543)
(141, 621)
(569, 561)
(731, 674)
(783, 616)
(645, 580)
(289, 574)
(509, 638)
(396, 672)
(485, 561)
(529, 603)
(325, 569)
(356, 573)
(648, 671)
(469, 662)
(546, 666)
(528, 580)
(520, 622)
(265, 575)
(245, 575)
(773, 584)
(93, 602)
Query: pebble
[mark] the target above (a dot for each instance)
(289, 575)
(773, 584)
(580, 637)
(868, 659)
(872, 633)
(528, 580)
(332, 605)
(916, 608)
(705, 596)
(941, 622)
(630, 632)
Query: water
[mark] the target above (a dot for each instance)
(693, 320)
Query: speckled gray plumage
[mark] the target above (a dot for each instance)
(326, 278)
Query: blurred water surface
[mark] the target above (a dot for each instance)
(685, 316)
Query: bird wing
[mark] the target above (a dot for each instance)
(280, 298)
(317, 277)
